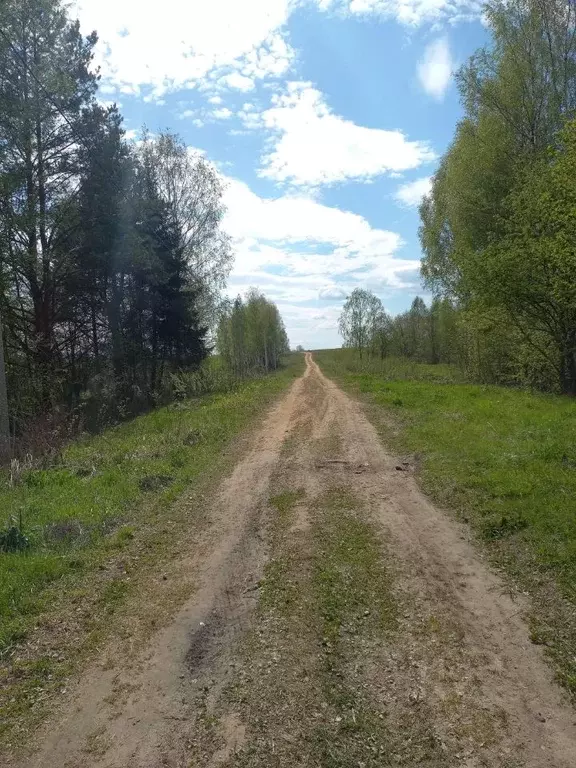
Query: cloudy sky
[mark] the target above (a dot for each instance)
(326, 117)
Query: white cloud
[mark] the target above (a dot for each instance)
(215, 100)
(298, 219)
(237, 81)
(250, 117)
(412, 12)
(308, 245)
(313, 146)
(435, 68)
(178, 45)
(188, 41)
(222, 114)
(412, 193)
(273, 56)
(201, 116)
(332, 292)
(299, 252)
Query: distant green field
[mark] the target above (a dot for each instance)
(94, 499)
(503, 459)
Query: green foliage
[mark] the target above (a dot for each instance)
(532, 266)
(363, 322)
(112, 254)
(497, 229)
(251, 336)
(12, 538)
(212, 377)
(336, 362)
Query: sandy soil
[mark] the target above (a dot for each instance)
(462, 646)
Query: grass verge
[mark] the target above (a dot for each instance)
(117, 507)
(504, 460)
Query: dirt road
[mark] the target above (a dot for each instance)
(340, 620)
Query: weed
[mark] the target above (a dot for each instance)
(64, 532)
(17, 467)
(12, 538)
(285, 502)
(124, 535)
(504, 526)
(154, 482)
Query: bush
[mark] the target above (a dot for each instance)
(210, 378)
(12, 538)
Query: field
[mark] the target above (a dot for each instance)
(504, 460)
(100, 521)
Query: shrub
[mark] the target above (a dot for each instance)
(12, 538)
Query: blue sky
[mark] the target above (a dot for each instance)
(326, 118)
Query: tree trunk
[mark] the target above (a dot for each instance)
(569, 366)
(115, 330)
(4, 414)
(95, 345)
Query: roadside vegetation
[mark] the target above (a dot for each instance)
(497, 234)
(498, 226)
(503, 459)
(251, 335)
(112, 253)
(497, 229)
(108, 509)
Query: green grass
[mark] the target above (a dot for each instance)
(504, 459)
(337, 362)
(349, 581)
(106, 486)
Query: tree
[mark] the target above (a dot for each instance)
(382, 334)
(359, 318)
(251, 336)
(101, 257)
(530, 270)
(46, 84)
(192, 189)
(108, 252)
(517, 95)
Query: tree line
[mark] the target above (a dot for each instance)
(112, 254)
(498, 230)
(250, 335)
(424, 334)
(439, 333)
